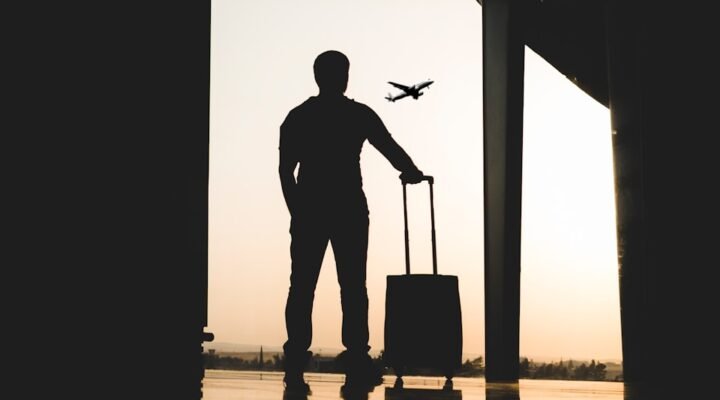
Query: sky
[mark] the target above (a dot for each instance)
(261, 67)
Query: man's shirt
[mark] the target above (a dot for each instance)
(325, 136)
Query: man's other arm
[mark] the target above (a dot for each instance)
(288, 162)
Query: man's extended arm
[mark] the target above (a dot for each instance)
(388, 147)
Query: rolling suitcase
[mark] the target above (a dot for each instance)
(423, 325)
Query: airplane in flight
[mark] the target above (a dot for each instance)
(414, 91)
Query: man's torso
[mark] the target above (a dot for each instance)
(326, 136)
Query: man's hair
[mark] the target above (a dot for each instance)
(331, 71)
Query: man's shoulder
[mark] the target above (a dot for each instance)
(358, 105)
(309, 109)
(303, 106)
(299, 110)
(362, 108)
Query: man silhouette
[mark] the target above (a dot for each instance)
(324, 136)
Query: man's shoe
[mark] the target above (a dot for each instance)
(294, 366)
(295, 385)
(363, 373)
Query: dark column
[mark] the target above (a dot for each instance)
(503, 69)
(121, 91)
(627, 140)
(663, 104)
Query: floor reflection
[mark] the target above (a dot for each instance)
(223, 385)
(345, 394)
(355, 394)
(400, 393)
(502, 391)
(289, 395)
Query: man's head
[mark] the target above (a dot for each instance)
(331, 72)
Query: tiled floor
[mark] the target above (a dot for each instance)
(233, 385)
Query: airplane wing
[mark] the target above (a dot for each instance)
(399, 86)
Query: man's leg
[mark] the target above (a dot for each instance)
(350, 242)
(307, 249)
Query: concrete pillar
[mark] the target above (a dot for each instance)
(503, 76)
(627, 141)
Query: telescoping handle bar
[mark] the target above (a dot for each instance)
(430, 181)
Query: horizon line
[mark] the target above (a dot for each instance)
(317, 350)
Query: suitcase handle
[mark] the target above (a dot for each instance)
(430, 181)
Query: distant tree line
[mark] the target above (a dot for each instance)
(317, 363)
(216, 361)
(594, 371)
